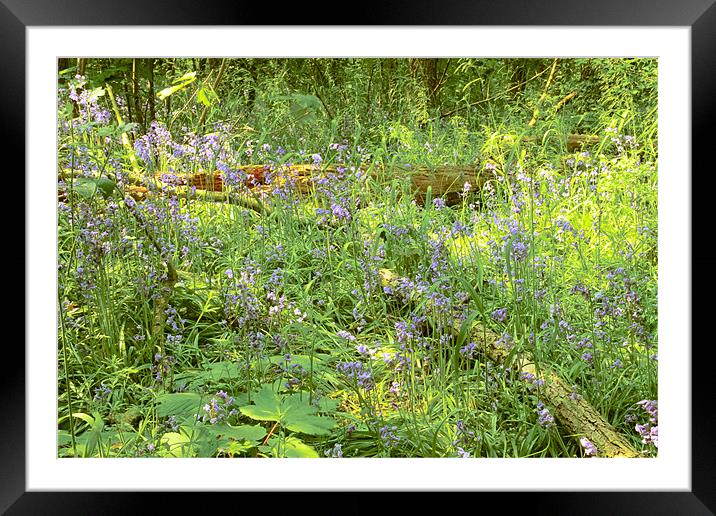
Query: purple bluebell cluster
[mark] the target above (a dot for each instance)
(356, 373)
(545, 418)
(102, 392)
(336, 452)
(589, 449)
(388, 436)
(162, 366)
(649, 432)
(219, 408)
(465, 439)
(500, 315)
(346, 335)
(531, 379)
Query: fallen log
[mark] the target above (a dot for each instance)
(575, 414)
(446, 181)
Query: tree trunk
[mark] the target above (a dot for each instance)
(152, 113)
(136, 94)
(63, 63)
(431, 79)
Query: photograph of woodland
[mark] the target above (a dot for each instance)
(357, 257)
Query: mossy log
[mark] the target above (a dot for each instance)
(575, 415)
(446, 181)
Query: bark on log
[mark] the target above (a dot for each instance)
(576, 416)
(445, 181)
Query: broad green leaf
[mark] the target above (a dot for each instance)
(84, 417)
(222, 371)
(181, 404)
(168, 91)
(95, 433)
(309, 424)
(187, 77)
(291, 447)
(237, 448)
(328, 404)
(294, 412)
(303, 107)
(238, 433)
(174, 444)
(266, 407)
(207, 96)
(306, 101)
(86, 187)
(201, 97)
(178, 84)
(106, 186)
(95, 94)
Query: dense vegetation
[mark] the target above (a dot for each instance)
(285, 317)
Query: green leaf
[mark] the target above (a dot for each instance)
(238, 433)
(222, 371)
(187, 77)
(207, 96)
(95, 432)
(311, 425)
(302, 360)
(168, 91)
(95, 94)
(299, 417)
(181, 404)
(238, 448)
(328, 404)
(84, 417)
(294, 412)
(291, 447)
(174, 444)
(106, 186)
(86, 187)
(178, 84)
(303, 107)
(266, 407)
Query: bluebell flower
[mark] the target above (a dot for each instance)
(336, 452)
(345, 335)
(589, 449)
(500, 314)
(545, 418)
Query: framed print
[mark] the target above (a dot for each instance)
(453, 243)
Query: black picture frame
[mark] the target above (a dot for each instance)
(699, 15)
